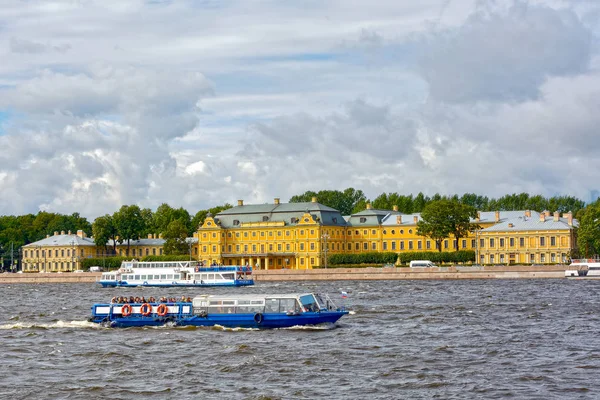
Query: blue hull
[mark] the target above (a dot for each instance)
(253, 320)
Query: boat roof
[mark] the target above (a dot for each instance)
(246, 296)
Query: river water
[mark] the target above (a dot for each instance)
(479, 339)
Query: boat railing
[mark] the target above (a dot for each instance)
(329, 303)
(224, 269)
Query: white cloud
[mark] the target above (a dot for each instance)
(197, 104)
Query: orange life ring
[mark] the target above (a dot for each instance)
(162, 310)
(126, 310)
(146, 309)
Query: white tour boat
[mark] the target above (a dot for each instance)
(175, 273)
(585, 268)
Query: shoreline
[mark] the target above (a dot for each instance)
(338, 274)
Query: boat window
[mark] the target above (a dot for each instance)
(170, 276)
(163, 276)
(211, 276)
(309, 302)
(271, 306)
(157, 277)
(137, 278)
(288, 305)
(227, 276)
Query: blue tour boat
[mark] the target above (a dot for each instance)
(175, 273)
(232, 311)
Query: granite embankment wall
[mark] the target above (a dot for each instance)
(333, 274)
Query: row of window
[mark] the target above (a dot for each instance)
(49, 254)
(140, 252)
(51, 266)
(513, 258)
(542, 240)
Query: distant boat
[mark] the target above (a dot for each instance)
(175, 273)
(233, 311)
(584, 268)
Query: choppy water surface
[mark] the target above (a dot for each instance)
(533, 339)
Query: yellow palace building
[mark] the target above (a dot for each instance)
(302, 235)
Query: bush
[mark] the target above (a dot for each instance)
(455, 257)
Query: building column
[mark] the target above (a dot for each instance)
(243, 261)
(266, 262)
(251, 262)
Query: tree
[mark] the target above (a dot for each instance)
(460, 216)
(104, 230)
(588, 234)
(129, 223)
(175, 238)
(345, 202)
(435, 223)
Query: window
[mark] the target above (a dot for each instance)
(393, 246)
(365, 246)
(532, 258)
(384, 232)
(543, 257)
(365, 232)
(428, 245)
(334, 220)
(491, 258)
(373, 232)
(501, 242)
(287, 247)
(357, 246)
(270, 247)
(491, 242)
(254, 248)
(245, 248)
(419, 245)
(542, 241)
(522, 242)
(312, 246)
(349, 246)
(402, 231)
(237, 234)
(393, 232)
(245, 234)
(356, 232)
(402, 245)
(237, 248)
(312, 231)
(302, 261)
(552, 257)
(473, 243)
(294, 220)
(262, 234)
(236, 222)
(384, 245)
(253, 234)
(481, 243)
(552, 241)
(301, 246)
(287, 233)
(278, 233)
(279, 247)
(446, 243)
(229, 248)
(501, 258)
(410, 231)
(204, 249)
(464, 243)
(154, 251)
(410, 245)
(373, 246)
(265, 218)
(214, 235)
(363, 220)
(312, 261)
(511, 242)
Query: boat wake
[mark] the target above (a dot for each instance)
(53, 325)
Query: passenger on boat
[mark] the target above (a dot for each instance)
(182, 299)
(131, 299)
(113, 300)
(189, 299)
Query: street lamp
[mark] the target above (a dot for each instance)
(325, 236)
(72, 254)
(190, 242)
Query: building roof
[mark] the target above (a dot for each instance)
(523, 223)
(288, 213)
(63, 240)
(141, 242)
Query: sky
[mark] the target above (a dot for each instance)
(201, 103)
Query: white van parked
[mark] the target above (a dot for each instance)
(421, 264)
(95, 269)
